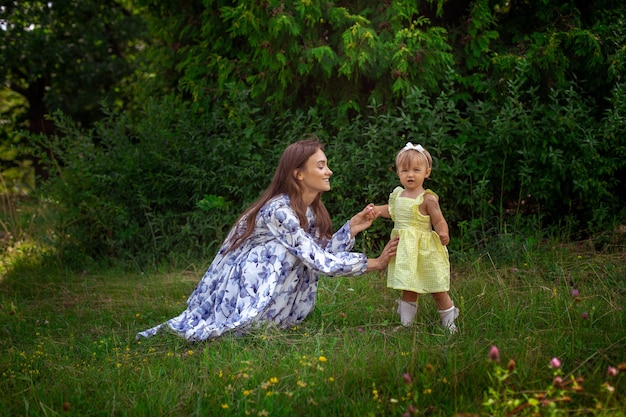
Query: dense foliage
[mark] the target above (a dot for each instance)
(521, 103)
(173, 183)
(68, 55)
(303, 54)
(340, 56)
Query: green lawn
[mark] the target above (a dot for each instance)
(68, 348)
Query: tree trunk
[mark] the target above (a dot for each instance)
(38, 123)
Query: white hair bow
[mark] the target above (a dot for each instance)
(409, 146)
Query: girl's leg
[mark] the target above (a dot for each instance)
(407, 307)
(443, 300)
(409, 296)
(447, 311)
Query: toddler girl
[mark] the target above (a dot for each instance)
(421, 264)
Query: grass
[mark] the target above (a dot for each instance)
(68, 348)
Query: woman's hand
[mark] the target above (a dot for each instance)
(362, 220)
(380, 263)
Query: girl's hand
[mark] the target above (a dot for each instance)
(442, 231)
(382, 211)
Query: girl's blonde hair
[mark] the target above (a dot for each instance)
(410, 152)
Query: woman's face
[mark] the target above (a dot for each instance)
(315, 176)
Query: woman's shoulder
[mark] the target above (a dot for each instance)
(279, 200)
(278, 203)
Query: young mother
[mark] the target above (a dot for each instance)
(267, 269)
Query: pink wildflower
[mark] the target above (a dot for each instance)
(555, 363)
(612, 371)
(494, 354)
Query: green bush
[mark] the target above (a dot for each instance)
(167, 186)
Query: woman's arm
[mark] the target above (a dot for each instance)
(380, 263)
(283, 226)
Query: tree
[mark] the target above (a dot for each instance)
(68, 55)
(346, 55)
(311, 53)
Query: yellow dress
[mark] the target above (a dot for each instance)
(422, 263)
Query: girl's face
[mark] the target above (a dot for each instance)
(315, 176)
(413, 172)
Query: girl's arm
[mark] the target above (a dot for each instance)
(382, 211)
(436, 218)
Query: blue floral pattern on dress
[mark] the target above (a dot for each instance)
(270, 279)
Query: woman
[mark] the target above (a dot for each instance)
(267, 268)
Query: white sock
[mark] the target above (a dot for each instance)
(407, 311)
(447, 318)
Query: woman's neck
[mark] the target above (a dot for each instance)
(308, 198)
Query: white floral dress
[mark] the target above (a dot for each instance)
(271, 278)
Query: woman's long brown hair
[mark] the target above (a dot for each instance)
(294, 158)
